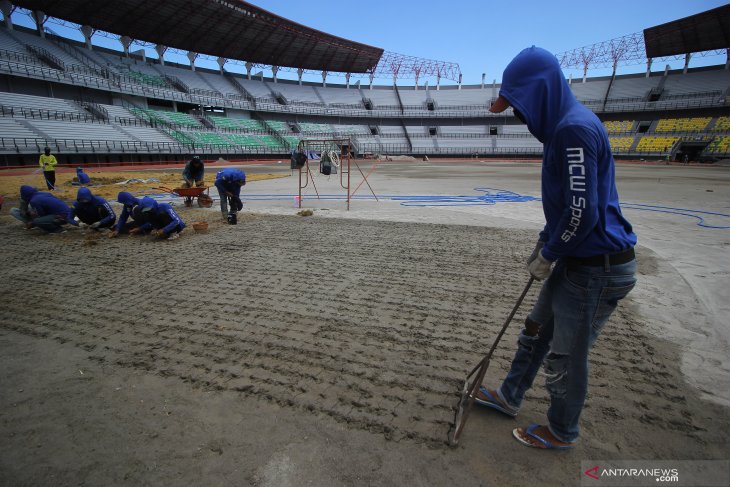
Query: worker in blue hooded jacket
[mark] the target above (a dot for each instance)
(585, 253)
(82, 176)
(131, 209)
(92, 210)
(160, 218)
(229, 182)
(24, 212)
(47, 212)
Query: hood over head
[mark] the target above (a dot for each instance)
(148, 204)
(27, 192)
(534, 85)
(126, 198)
(84, 196)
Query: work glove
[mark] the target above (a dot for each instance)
(95, 225)
(538, 247)
(540, 267)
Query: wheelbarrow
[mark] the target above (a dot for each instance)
(201, 193)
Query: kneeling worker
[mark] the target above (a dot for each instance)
(49, 213)
(229, 182)
(94, 211)
(24, 213)
(160, 218)
(132, 209)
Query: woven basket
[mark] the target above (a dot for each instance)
(200, 227)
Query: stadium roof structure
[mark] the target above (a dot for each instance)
(703, 34)
(231, 29)
(705, 31)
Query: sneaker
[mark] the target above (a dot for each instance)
(173, 236)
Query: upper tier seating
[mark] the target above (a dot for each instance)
(618, 126)
(682, 124)
(656, 144)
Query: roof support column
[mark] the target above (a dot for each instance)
(300, 72)
(484, 75)
(372, 76)
(221, 63)
(274, 71)
(160, 49)
(324, 79)
(40, 19)
(126, 42)
(249, 66)
(7, 9)
(459, 80)
(347, 81)
(648, 67)
(192, 56)
(727, 62)
(686, 62)
(88, 33)
(438, 81)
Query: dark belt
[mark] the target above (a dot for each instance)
(602, 260)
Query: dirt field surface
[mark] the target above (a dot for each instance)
(294, 350)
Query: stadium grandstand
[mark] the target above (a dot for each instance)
(94, 104)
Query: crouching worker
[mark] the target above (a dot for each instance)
(160, 219)
(48, 213)
(132, 209)
(82, 176)
(229, 182)
(194, 173)
(94, 211)
(23, 213)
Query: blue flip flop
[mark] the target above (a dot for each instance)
(547, 444)
(493, 403)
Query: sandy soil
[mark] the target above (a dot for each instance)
(303, 351)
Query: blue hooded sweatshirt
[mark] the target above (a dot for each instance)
(160, 216)
(46, 204)
(27, 192)
(131, 208)
(92, 209)
(82, 176)
(579, 196)
(228, 180)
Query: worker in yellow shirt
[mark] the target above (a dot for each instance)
(48, 164)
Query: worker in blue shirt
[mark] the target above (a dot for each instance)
(48, 213)
(160, 219)
(82, 176)
(229, 182)
(585, 253)
(92, 210)
(24, 212)
(131, 209)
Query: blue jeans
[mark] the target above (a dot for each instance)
(49, 223)
(571, 310)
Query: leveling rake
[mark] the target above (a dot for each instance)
(468, 393)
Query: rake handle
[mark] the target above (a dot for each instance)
(483, 365)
